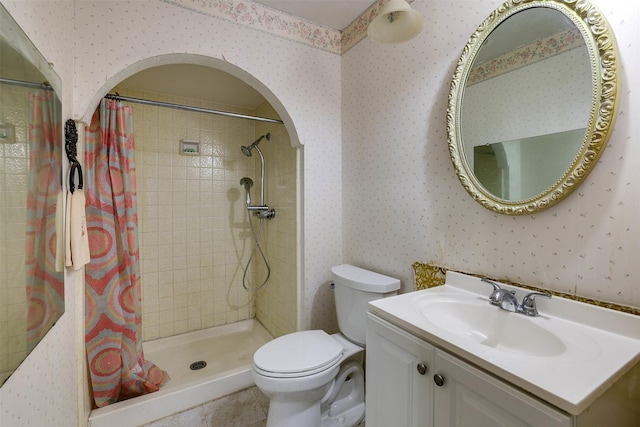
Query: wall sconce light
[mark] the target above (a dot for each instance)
(397, 22)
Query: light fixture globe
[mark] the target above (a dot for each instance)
(397, 22)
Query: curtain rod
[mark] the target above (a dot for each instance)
(188, 108)
(43, 86)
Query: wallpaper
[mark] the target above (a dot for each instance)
(539, 50)
(561, 83)
(396, 165)
(378, 187)
(263, 18)
(32, 395)
(301, 83)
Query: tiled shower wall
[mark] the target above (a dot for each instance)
(277, 300)
(14, 170)
(14, 176)
(194, 232)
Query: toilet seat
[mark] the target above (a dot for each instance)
(298, 354)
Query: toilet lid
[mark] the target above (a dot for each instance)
(298, 354)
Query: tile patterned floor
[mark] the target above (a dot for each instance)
(246, 408)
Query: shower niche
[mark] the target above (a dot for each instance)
(189, 147)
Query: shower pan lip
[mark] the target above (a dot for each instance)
(183, 393)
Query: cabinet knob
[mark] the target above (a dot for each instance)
(422, 368)
(439, 380)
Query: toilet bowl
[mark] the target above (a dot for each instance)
(304, 373)
(316, 379)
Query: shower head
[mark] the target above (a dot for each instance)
(247, 150)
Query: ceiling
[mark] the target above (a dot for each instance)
(195, 81)
(221, 87)
(336, 14)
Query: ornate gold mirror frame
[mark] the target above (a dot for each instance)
(603, 55)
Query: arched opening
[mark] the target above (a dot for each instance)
(195, 231)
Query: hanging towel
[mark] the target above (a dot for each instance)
(60, 238)
(67, 232)
(79, 236)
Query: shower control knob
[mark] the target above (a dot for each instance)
(439, 380)
(422, 368)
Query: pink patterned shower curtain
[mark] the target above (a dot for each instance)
(45, 287)
(113, 323)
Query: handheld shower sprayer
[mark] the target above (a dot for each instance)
(247, 183)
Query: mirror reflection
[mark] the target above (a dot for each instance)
(31, 222)
(526, 104)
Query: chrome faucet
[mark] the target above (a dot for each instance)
(528, 307)
(507, 300)
(499, 294)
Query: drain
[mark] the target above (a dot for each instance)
(197, 365)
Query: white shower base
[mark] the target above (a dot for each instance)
(228, 351)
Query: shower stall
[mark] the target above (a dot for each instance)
(195, 230)
(195, 241)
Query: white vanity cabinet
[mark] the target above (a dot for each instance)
(396, 393)
(412, 383)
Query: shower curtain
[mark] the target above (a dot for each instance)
(113, 323)
(45, 288)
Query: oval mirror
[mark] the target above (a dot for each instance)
(532, 102)
(31, 263)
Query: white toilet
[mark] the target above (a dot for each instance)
(315, 379)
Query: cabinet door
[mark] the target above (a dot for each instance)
(397, 393)
(470, 397)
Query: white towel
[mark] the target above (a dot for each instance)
(60, 233)
(67, 232)
(79, 236)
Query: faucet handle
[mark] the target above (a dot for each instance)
(498, 295)
(529, 303)
(492, 283)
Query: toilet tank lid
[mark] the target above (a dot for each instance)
(363, 280)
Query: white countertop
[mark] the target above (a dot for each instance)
(600, 345)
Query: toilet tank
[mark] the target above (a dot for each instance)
(354, 288)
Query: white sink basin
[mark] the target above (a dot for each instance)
(565, 356)
(477, 320)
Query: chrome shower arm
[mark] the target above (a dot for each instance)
(261, 175)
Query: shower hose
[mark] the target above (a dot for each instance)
(256, 249)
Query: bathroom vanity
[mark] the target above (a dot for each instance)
(446, 357)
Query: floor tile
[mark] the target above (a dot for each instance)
(241, 409)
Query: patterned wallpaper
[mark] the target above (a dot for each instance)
(372, 125)
(539, 50)
(263, 18)
(33, 394)
(297, 80)
(561, 83)
(274, 22)
(403, 201)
